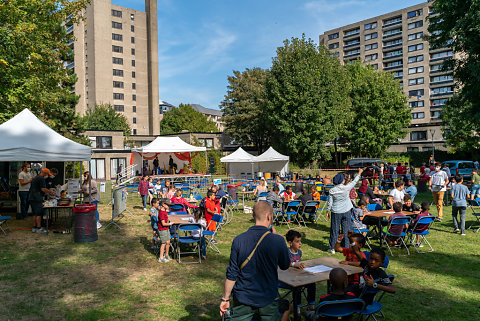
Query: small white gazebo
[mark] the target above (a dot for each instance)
(273, 161)
(240, 162)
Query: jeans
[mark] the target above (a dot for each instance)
(438, 199)
(340, 219)
(144, 200)
(463, 213)
(242, 312)
(24, 204)
(475, 190)
(97, 215)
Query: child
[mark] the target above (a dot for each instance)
(411, 189)
(164, 232)
(288, 194)
(198, 217)
(395, 229)
(425, 207)
(408, 205)
(460, 194)
(210, 210)
(357, 214)
(170, 193)
(373, 276)
(294, 240)
(356, 240)
(315, 194)
(154, 219)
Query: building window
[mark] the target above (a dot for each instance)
(427, 149)
(415, 70)
(132, 28)
(116, 13)
(438, 102)
(392, 21)
(372, 35)
(132, 39)
(117, 61)
(333, 45)
(441, 78)
(119, 107)
(392, 43)
(435, 114)
(442, 55)
(333, 36)
(416, 24)
(392, 32)
(398, 74)
(416, 81)
(117, 84)
(351, 32)
(103, 142)
(414, 36)
(206, 142)
(118, 96)
(116, 25)
(134, 109)
(133, 63)
(442, 90)
(412, 149)
(134, 120)
(415, 59)
(396, 63)
(371, 57)
(118, 49)
(418, 135)
(417, 93)
(133, 74)
(132, 16)
(133, 51)
(352, 52)
(371, 46)
(115, 164)
(415, 47)
(134, 131)
(415, 104)
(393, 53)
(372, 25)
(134, 97)
(97, 168)
(334, 54)
(375, 66)
(134, 85)
(117, 37)
(118, 72)
(413, 14)
(418, 115)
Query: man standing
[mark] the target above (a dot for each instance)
(38, 189)
(155, 166)
(171, 165)
(119, 173)
(24, 180)
(438, 185)
(252, 273)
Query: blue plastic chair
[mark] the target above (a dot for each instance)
(209, 235)
(401, 236)
(424, 220)
(311, 208)
(4, 221)
(178, 209)
(375, 307)
(475, 207)
(374, 207)
(339, 309)
(358, 229)
(190, 240)
(292, 210)
(198, 197)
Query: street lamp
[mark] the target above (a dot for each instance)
(432, 132)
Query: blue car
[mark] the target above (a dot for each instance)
(461, 167)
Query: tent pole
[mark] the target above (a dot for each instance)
(206, 163)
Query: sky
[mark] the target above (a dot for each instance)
(201, 42)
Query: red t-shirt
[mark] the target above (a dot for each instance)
(209, 205)
(162, 215)
(401, 170)
(351, 257)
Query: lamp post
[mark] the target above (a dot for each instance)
(432, 132)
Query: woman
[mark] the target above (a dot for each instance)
(91, 194)
(178, 199)
(367, 191)
(261, 187)
(340, 206)
(143, 191)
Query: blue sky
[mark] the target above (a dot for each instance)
(202, 41)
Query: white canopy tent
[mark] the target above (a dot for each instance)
(240, 162)
(27, 138)
(273, 161)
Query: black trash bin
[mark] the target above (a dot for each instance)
(232, 191)
(85, 223)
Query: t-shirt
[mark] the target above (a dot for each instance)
(162, 215)
(36, 193)
(305, 198)
(26, 177)
(412, 208)
(475, 179)
(209, 205)
(401, 170)
(397, 195)
(460, 193)
(420, 227)
(287, 196)
(294, 257)
(379, 275)
(438, 180)
(350, 256)
(395, 229)
(316, 196)
(412, 191)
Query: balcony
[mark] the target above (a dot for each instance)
(393, 35)
(69, 29)
(446, 93)
(436, 106)
(70, 65)
(441, 58)
(392, 24)
(351, 55)
(397, 55)
(391, 46)
(356, 33)
(393, 67)
(352, 45)
(442, 82)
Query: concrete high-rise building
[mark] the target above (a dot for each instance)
(116, 61)
(394, 42)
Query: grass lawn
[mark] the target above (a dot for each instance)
(51, 278)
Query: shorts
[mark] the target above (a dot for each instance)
(164, 236)
(37, 208)
(476, 189)
(283, 305)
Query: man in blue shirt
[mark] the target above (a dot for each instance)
(254, 283)
(411, 189)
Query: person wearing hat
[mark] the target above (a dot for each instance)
(38, 190)
(340, 206)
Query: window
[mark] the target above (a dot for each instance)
(415, 70)
(415, 47)
(418, 115)
(119, 107)
(117, 61)
(132, 16)
(442, 78)
(392, 32)
(398, 74)
(132, 28)
(115, 164)
(117, 37)
(352, 52)
(412, 149)
(414, 36)
(133, 63)
(97, 168)
(435, 114)
(392, 21)
(418, 93)
(418, 135)
(371, 46)
(133, 74)
(438, 67)
(118, 72)
(134, 109)
(134, 131)
(393, 53)
(392, 43)
(442, 90)
(427, 149)
(396, 63)
(372, 35)
(334, 54)
(351, 32)
(416, 81)
(118, 49)
(333, 36)
(416, 24)
(116, 13)
(415, 104)
(117, 84)
(414, 13)
(134, 85)
(133, 51)
(116, 25)
(132, 39)
(415, 59)
(134, 120)
(103, 142)
(372, 25)
(352, 42)
(442, 55)
(134, 97)
(438, 102)
(206, 142)
(375, 66)
(371, 57)
(333, 45)
(118, 96)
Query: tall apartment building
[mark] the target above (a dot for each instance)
(394, 42)
(116, 61)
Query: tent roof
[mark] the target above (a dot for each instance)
(27, 138)
(271, 155)
(168, 145)
(239, 156)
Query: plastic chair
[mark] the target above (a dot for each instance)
(178, 209)
(339, 309)
(356, 228)
(209, 235)
(262, 196)
(292, 212)
(375, 307)
(374, 207)
(4, 221)
(198, 197)
(324, 199)
(190, 240)
(401, 236)
(475, 207)
(424, 220)
(310, 208)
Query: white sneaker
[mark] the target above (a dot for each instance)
(331, 251)
(145, 209)
(162, 260)
(41, 230)
(463, 234)
(456, 230)
(99, 225)
(34, 229)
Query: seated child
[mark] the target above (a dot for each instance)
(395, 229)
(425, 207)
(357, 214)
(356, 240)
(294, 240)
(154, 219)
(164, 231)
(198, 217)
(315, 194)
(373, 276)
(408, 205)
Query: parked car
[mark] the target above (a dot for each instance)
(356, 163)
(461, 167)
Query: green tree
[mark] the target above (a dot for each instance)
(104, 117)
(457, 26)
(306, 100)
(242, 108)
(380, 111)
(186, 118)
(33, 48)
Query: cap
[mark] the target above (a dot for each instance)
(47, 171)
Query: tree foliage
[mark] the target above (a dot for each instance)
(242, 108)
(380, 111)
(307, 103)
(185, 118)
(457, 25)
(104, 117)
(33, 48)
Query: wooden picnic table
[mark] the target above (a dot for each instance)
(179, 219)
(388, 213)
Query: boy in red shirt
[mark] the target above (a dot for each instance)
(356, 240)
(210, 210)
(164, 232)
